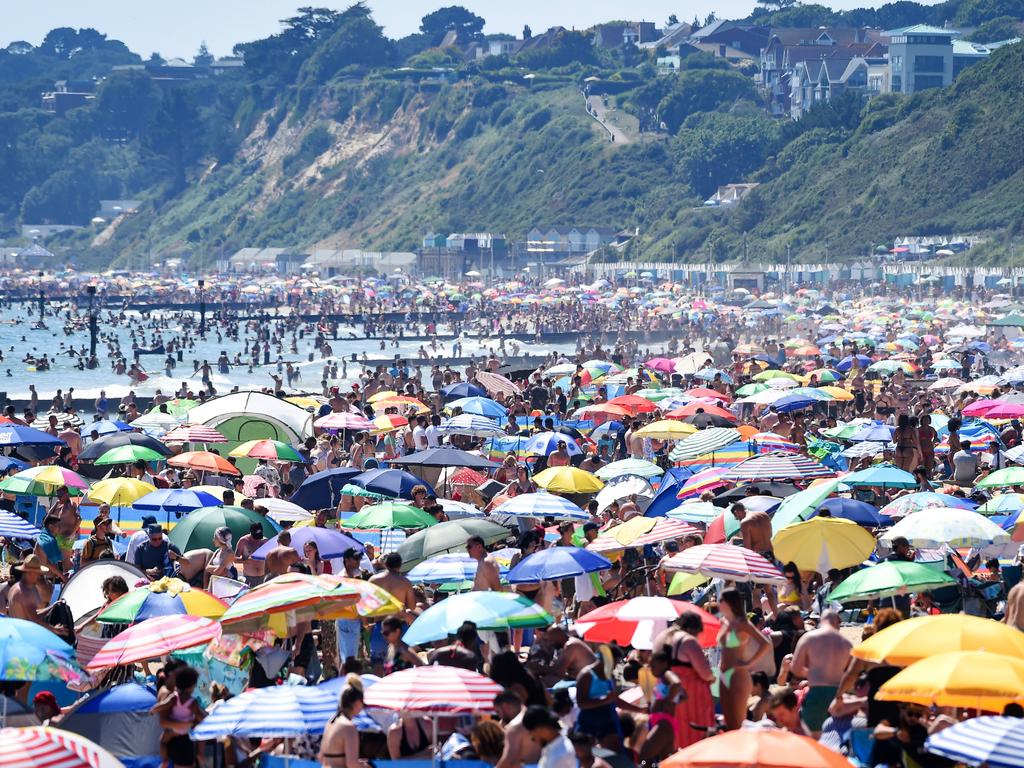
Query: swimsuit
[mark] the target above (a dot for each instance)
(732, 640)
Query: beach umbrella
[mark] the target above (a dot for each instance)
(280, 711)
(556, 563)
(117, 719)
(344, 420)
(390, 482)
(969, 679)
(999, 479)
(105, 427)
(322, 490)
(779, 465)
(861, 361)
(769, 442)
(195, 530)
(666, 429)
(163, 597)
(1003, 504)
(389, 423)
(13, 435)
(496, 384)
(6, 462)
(282, 510)
(633, 404)
(488, 610)
(461, 389)
(932, 528)
(153, 638)
(173, 500)
(444, 456)
(119, 491)
(204, 461)
(641, 532)
(764, 748)
(434, 690)
(14, 527)
(541, 505)
(388, 515)
(624, 487)
(194, 433)
(46, 747)
(889, 578)
(702, 442)
(639, 620)
(880, 476)
(915, 502)
(446, 568)
(705, 480)
(637, 467)
(875, 432)
(471, 425)
(859, 512)
(449, 536)
(31, 652)
(128, 454)
(44, 481)
(97, 448)
(996, 742)
(271, 450)
(823, 543)
(480, 406)
(694, 512)
(546, 443)
(725, 561)
(179, 406)
(909, 641)
(329, 542)
(567, 480)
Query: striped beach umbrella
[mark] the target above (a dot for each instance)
(434, 690)
(164, 597)
(279, 711)
(472, 425)
(345, 420)
(638, 621)
(448, 567)
(703, 441)
(175, 500)
(128, 454)
(769, 442)
(45, 747)
(541, 504)
(725, 561)
(779, 465)
(44, 481)
(932, 528)
(389, 422)
(154, 638)
(271, 450)
(546, 443)
(997, 742)
(297, 592)
(13, 527)
(727, 456)
(705, 480)
(915, 502)
(641, 532)
(194, 433)
(638, 467)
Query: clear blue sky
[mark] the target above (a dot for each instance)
(176, 27)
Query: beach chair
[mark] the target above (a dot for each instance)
(861, 741)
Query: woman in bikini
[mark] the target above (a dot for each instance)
(908, 446)
(340, 745)
(668, 692)
(741, 646)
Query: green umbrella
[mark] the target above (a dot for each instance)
(800, 506)
(1003, 477)
(450, 536)
(354, 490)
(751, 389)
(387, 515)
(890, 578)
(196, 530)
(129, 454)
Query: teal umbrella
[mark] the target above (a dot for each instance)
(881, 476)
(893, 577)
(488, 610)
(196, 530)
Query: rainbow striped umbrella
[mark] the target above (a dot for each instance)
(778, 465)
(769, 442)
(704, 441)
(727, 456)
(44, 481)
(705, 480)
(164, 597)
(153, 638)
(271, 450)
(264, 606)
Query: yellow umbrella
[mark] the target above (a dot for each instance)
(383, 395)
(119, 491)
(666, 429)
(822, 543)
(304, 402)
(567, 480)
(684, 582)
(906, 642)
(837, 393)
(972, 679)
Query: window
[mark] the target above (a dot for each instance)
(897, 63)
(897, 84)
(929, 64)
(922, 82)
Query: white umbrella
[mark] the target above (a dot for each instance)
(623, 487)
(932, 527)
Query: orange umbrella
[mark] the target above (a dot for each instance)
(690, 409)
(710, 393)
(633, 404)
(205, 461)
(402, 402)
(768, 748)
(746, 431)
(605, 409)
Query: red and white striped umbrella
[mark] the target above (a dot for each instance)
(725, 561)
(41, 747)
(434, 690)
(662, 529)
(153, 638)
(639, 620)
(343, 421)
(194, 433)
(778, 465)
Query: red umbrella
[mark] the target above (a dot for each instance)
(467, 477)
(690, 409)
(434, 691)
(634, 404)
(709, 393)
(637, 621)
(153, 638)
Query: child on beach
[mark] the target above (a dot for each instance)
(179, 712)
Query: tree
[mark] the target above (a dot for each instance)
(357, 40)
(309, 24)
(128, 102)
(451, 18)
(721, 148)
(60, 42)
(777, 5)
(695, 24)
(994, 30)
(20, 47)
(672, 20)
(710, 19)
(203, 58)
(527, 32)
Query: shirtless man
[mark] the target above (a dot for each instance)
(488, 578)
(756, 528)
(29, 597)
(192, 565)
(520, 749)
(70, 523)
(820, 658)
(252, 570)
(281, 557)
(572, 655)
(392, 580)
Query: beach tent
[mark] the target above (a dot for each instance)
(243, 416)
(119, 720)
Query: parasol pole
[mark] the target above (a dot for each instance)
(433, 752)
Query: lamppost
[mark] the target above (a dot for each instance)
(202, 309)
(93, 362)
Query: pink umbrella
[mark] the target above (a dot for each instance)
(1005, 411)
(434, 691)
(637, 621)
(153, 638)
(725, 561)
(705, 480)
(662, 364)
(343, 421)
(194, 433)
(250, 484)
(982, 407)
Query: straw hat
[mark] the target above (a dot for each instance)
(32, 564)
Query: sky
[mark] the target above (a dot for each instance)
(177, 27)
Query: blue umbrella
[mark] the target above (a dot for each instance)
(130, 697)
(30, 651)
(17, 434)
(556, 563)
(665, 500)
(278, 712)
(329, 542)
(540, 505)
(488, 610)
(462, 389)
(546, 443)
(481, 406)
(390, 482)
(364, 721)
(105, 427)
(175, 500)
(6, 462)
(793, 403)
(613, 427)
(322, 490)
(859, 512)
(119, 720)
(448, 567)
(847, 362)
(13, 527)
(997, 742)
(882, 476)
(708, 374)
(876, 432)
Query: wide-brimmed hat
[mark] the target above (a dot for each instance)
(32, 564)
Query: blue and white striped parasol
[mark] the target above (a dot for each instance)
(472, 425)
(275, 712)
(541, 505)
(998, 742)
(13, 527)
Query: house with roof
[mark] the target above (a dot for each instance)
(920, 57)
(619, 34)
(569, 240)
